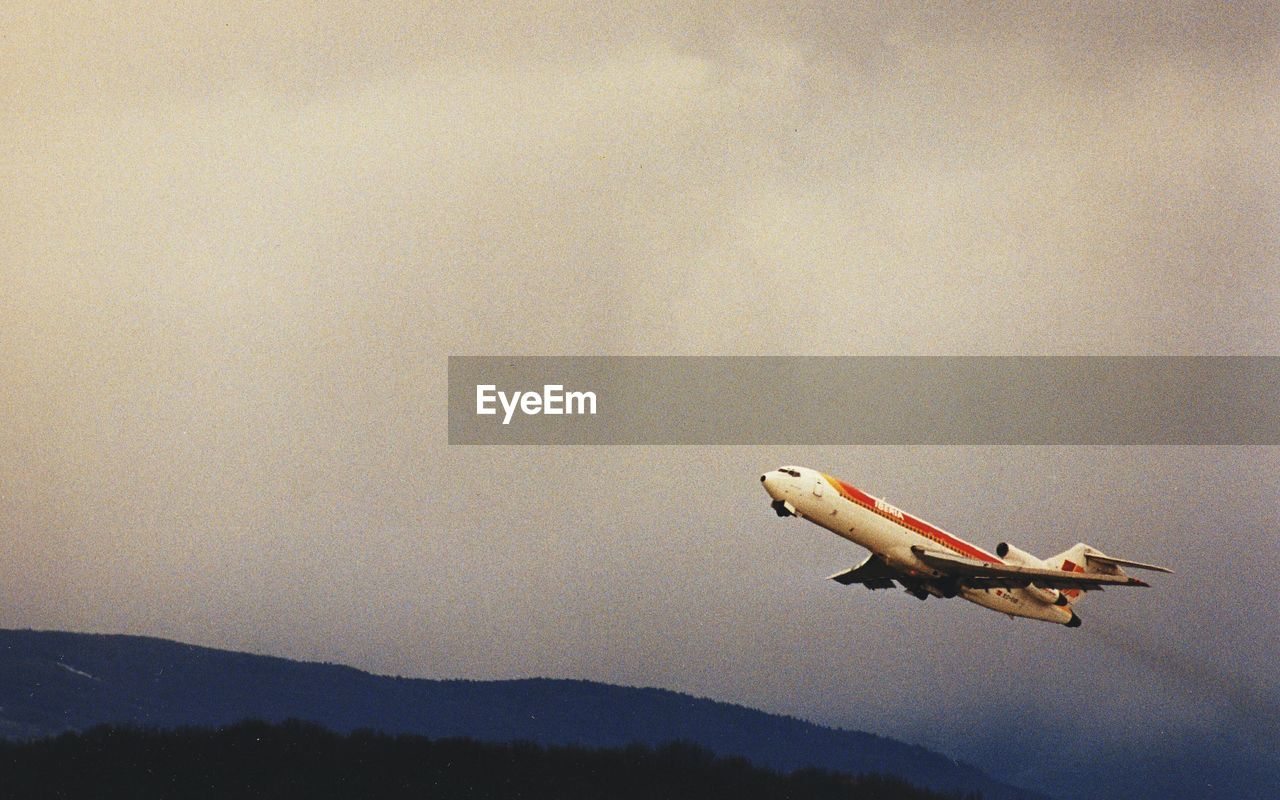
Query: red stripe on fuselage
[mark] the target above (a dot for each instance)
(916, 525)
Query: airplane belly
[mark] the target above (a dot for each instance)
(1017, 603)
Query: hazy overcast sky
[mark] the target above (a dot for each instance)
(238, 246)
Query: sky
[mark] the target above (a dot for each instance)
(239, 245)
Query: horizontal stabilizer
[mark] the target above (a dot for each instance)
(1122, 562)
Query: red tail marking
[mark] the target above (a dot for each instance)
(1070, 566)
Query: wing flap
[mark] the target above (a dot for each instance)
(981, 574)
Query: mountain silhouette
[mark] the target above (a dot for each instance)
(51, 682)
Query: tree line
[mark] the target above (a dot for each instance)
(301, 760)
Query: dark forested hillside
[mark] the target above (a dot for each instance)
(51, 682)
(300, 760)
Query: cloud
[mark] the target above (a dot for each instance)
(240, 244)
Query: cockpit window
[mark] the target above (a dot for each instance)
(789, 471)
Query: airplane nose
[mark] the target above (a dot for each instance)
(770, 481)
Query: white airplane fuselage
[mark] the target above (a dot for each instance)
(891, 534)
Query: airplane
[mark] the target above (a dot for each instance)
(928, 561)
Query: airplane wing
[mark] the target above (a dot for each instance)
(981, 574)
(872, 573)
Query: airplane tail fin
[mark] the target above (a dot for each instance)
(1086, 558)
